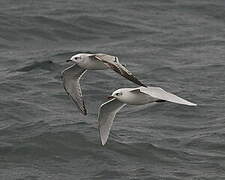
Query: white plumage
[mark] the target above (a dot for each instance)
(133, 96)
(84, 61)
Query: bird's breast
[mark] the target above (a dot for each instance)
(138, 99)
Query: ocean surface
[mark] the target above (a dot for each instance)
(178, 45)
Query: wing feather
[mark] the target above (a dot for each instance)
(161, 94)
(71, 77)
(106, 115)
(114, 64)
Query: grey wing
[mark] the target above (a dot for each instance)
(106, 115)
(71, 77)
(113, 63)
(159, 93)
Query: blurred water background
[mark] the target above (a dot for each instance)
(178, 45)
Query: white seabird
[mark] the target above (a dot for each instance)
(133, 96)
(83, 62)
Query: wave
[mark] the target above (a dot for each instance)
(44, 65)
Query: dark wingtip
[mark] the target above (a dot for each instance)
(144, 85)
(141, 84)
(85, 113)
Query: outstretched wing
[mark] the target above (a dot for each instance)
(71, 77)
(161, 94)
(106, 115)
(113, 63)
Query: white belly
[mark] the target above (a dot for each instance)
(138, 99)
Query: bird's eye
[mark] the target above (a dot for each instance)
(76, 58)
(118, 94)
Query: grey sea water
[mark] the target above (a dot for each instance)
(178, 45)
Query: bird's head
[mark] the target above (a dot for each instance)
(118, 94)
(76, 58)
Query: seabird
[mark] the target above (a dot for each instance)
(83, 62)
(131, 96)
